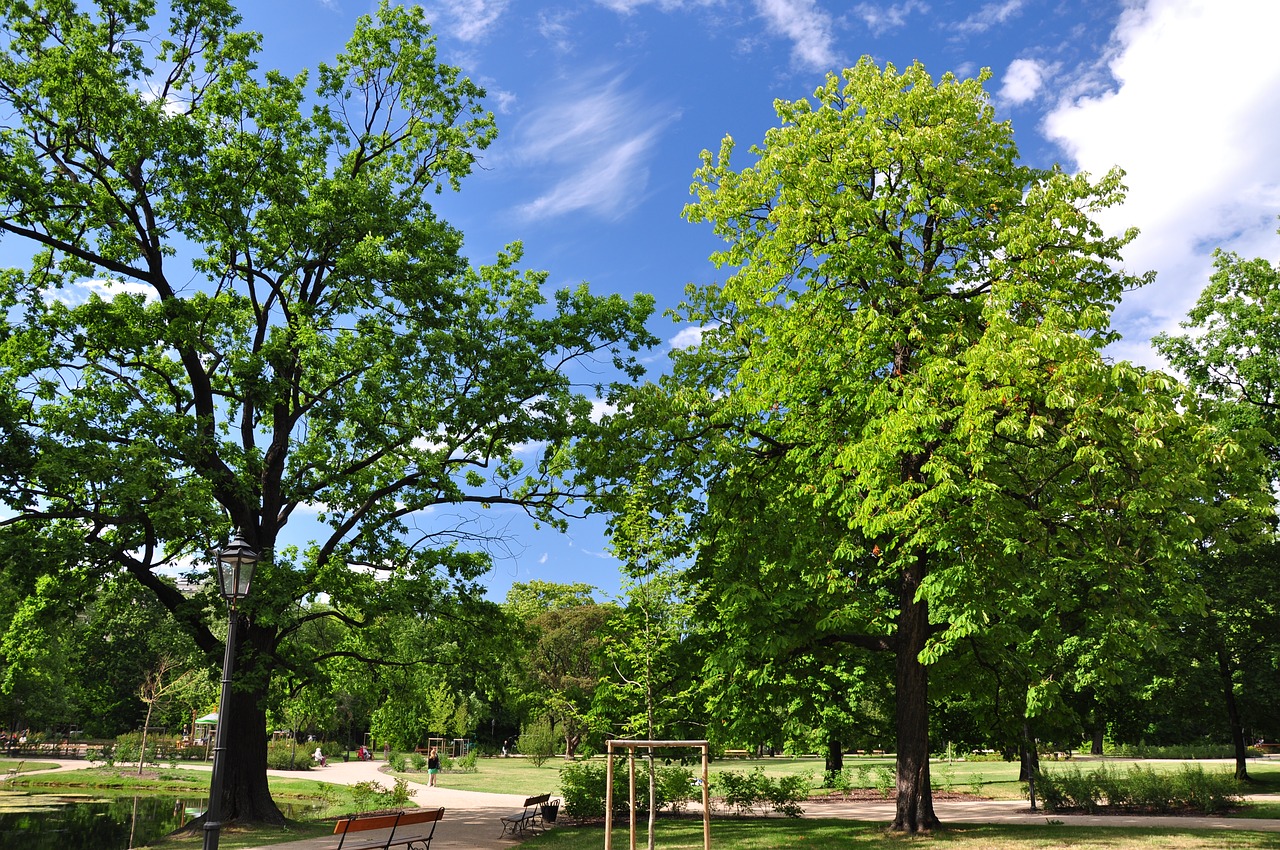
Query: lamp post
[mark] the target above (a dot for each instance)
(235, 570)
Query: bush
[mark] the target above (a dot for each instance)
(675, 788)
(418, 760)
(129, 745)
(582, 787)
(399, 762)
(468, 763)
(284, 755)
(539, 742)
(1141, 788)
(372, 796)
(745, 792)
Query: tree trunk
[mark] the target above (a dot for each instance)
(915, 796)
(1233, 715)
(835, 759)
(245, 795)
(1028, 755)
(1099, 731)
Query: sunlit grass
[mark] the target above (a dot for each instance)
(774, 834)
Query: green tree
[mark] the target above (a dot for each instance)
(292, 326)
(903, 375)
(1230, 356)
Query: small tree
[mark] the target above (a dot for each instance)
(166, 681)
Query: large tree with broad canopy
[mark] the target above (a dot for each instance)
(899, 432)
(285, 327)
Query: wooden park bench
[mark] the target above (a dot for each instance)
(729, 754)
(528, 817)
(389, 820)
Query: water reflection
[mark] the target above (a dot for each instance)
(96, 820)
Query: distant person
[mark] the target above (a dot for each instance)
(433, 767)
(318, 755)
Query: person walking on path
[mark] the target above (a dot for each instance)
(433, 767)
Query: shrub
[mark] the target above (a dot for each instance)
(283, 755)
(582, 787)
(675, 788)
(1206, 792)
(885, 780)
(129, 745)
(744, 792)
(839, 781)
(418, 760)
(1143, 788)
(399, 762)
(468, 763)
(539, 742)
(371, 796)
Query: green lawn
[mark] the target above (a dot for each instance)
(772, 834)
(520, 776)
(993, 779)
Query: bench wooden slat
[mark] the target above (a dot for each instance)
(392, 821)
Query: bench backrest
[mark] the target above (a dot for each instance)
(538, 800)
(392, 820)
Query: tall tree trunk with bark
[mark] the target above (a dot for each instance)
(915, 795)
(835, 758)
(1225, 672)
(246, 796)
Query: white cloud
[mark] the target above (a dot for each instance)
(1191, 112)
(882, 19)
(82, 291)
(990, 15)
(687, 337)
(808, 27)
(600, 409)
(1022, 81)
(628, 7)
(468, 20)
(599, 141)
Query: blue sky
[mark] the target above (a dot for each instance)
(604, 105)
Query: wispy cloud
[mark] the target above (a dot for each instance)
(1198, 148)
(808, 27)
(599, 141)
(990, 15)
(468, 20)
(881, 18)
(628, 7)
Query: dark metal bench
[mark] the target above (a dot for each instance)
(393, 821)
(529, 817)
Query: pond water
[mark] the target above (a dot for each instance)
(96, 820)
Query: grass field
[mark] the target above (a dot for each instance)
(992, 779)
(846, 835)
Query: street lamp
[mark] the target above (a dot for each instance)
(235, 570)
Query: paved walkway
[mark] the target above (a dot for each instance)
(471, 818)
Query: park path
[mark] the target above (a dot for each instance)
(471, 820)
